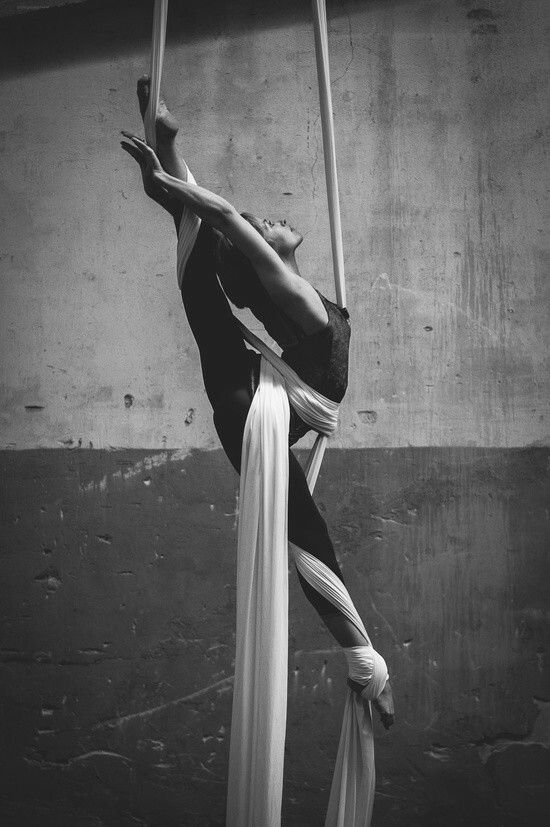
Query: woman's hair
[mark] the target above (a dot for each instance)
(235, 272)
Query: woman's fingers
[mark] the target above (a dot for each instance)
(138, 142)
(133, 151)
(131, 136)
(147, 152)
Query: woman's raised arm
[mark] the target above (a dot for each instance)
(291, 293)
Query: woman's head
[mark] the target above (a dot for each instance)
(237, 275)
(279, 234)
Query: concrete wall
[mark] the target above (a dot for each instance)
(119, 509)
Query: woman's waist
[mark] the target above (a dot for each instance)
(329, 379)
(298, 428)
(322, 379)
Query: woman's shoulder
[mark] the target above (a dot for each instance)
(336, 327)
(333, 308)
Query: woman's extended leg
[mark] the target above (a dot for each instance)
(166, 130)
(225, 360)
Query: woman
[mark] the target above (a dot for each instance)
(256, 263)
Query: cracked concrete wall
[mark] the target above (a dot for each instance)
(119, 510)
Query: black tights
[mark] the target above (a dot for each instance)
(226, 367)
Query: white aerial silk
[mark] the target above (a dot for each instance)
(158, 42)
(190, 223)
(258, 720)
(187, 234)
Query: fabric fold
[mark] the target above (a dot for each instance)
(353, 782)
(258, 721)
(354, 778)
(188, 230)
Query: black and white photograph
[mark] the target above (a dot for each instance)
(274, 413)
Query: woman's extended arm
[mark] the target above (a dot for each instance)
(291, 293)
(150, 185)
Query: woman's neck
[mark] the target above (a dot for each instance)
(291, 263)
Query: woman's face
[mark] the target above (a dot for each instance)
(281, 236)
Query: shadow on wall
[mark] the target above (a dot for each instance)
(76, 33)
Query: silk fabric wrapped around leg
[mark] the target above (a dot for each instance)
(353, 782)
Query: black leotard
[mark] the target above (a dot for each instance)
(320, 359)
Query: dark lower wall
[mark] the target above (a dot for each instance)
(117, 602)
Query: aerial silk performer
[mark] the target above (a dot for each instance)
(262, 404)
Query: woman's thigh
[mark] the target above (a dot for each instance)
(229, 419)
(225, 360)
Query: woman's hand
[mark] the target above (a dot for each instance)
(150, 166)
(173, 193)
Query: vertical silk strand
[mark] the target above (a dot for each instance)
(189, 223)
(329, 151)
(160, 13)
(329, 147)
(258, 719)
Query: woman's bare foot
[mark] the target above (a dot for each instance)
(383, 704)
(166, 125)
